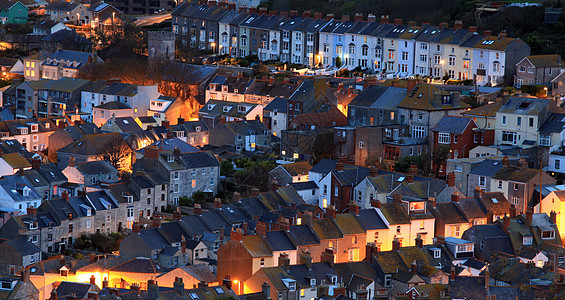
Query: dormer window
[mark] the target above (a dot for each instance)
(23, 130)
(235, 91)
(313, 282)
(224, 88)
(33, 225)
(548, 235)
(64, 272)
(292, 286)
(226, 108)
(89, 212)
(34, 128)
(527, 240)
(47, 125)
(170, 158)
(198, 128)
(242, 108)
(25, 191)
(210, 106)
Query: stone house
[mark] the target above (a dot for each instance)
(537, 69)
(92, 173)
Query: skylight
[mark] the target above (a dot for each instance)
(494, 200)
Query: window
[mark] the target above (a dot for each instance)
(418, 131)
(500, 184)
(503, 120)
(456, 230)
(516, 186)
(353, 254)
(515, 200)
(544, 140)
(547, 235)
(557, 164)
(193, 183)
(444, 138)
(176, 175)
(262, 262)
(458, 168)
(531, 122)
(376, 237)
(527, 240)
(70, 228)
(452, 60)
(482, 181)
(292, 286)
(361, 144)
(388, 280)
(509, 136)
(397, 229)
(336, 191)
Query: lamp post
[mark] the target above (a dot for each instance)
(238, 292)
(78, 19)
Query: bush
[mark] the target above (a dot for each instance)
(99, 242)
(185, 201)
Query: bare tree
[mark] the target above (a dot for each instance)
(115, 150)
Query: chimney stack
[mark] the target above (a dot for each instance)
(455, 197)
(135, 227)
(236, 197)
(410, 178)
(328, 256)
(512, 211)
(458, 25)
(472, 29)
(197, 209)
(353, 208)
(261, 228)
(156, 221)
(254, 192)
(330, 17)
(505, 224)
(376, 203)
(183, 244)
(318, 16)
(397, 198)
(522, 163)
(529, 215)
(553, 217)
(502, 34)
(345, 18)
(487, 33)
(72, 161)
(419, 241)
(237, 235)
(395, 244)
(177, 215)
(284, 261)
(217, 203)
(398, 21)
(443, 25)
(451, 179)
(385, 19)
(371, 18)
(414, 267)
(330, 212)
(478, 193)
(358, 17)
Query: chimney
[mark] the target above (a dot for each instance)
(318, 16)
(261, 228)
(72, 161)
(165, 124)
(135, 227)
(398, 21)
(286, 80)
(502, 34)
(440, 240)
(522, 163)
(487, 33)
(472, 29)
(340, 290)
(505, 161)
(156, 221)
(451, 179)
(458, 25)
(330, 212)
(254, 192)
(385, 19)
(24, 275)
(395, 244)
(371, 18)
(414, 267)
(35, 164)
(487, 278)
(529, 214)
(410, 178)
(490, 217)
(236, 197)
(505, 223)
(180, 121)
(478, 193)
(283, 224)
(293, 13)
(266, 289)
(397, 198)
(178, 286)
(283, 14)
(65, 196)
(306, 259)
(442, 25)
(32, 211)
(329, 17)
(236, 235)
(273, 13)
(353, 208)
(452, 273)
(553, 217)
(307, 218)
(227, 282)
(412, 23)
(339, 166)
(244, 227)
(284, 261)
(328, 256)
(197, 209)
(177, 215)
(152, 289)
(375, 203)
(369, 252)
(253, 10)
(306, 14)
(413, 169)
(419, 241)
(455, 197)
(183, 244)
(345, 18)
(512, 211)
(358, 17)
(202, 285)
(217, 203)
(262, 10)
(92, 280)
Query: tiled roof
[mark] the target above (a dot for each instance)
(395, 213)
(453, 124)
(326, 229)
(297, 168)
(551, 60)
(256, 246)
(512, 173)
(348, 224)
(422, 98)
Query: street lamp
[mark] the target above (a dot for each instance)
(238, 287)
(213, 47)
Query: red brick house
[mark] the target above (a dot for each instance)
(457, 134)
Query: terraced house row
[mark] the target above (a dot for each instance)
(393, 49)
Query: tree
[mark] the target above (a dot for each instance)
(260, 69)
(114, 149)
(226, 168)
(323, 146)
(99, 242)
(338, 62)
(439, 157)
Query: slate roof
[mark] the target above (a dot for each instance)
(381, 97)
(96, 167)
(200, 159)
(395, 213)
(256, 246)
(89, 144)
(422, 96)
(369, 219)
(279, 241)
(487, 168)
(303, 235)
(305, 185)
(553, 124)
(525, 106)
(351, 176)
(326, 229)
(139, 265)
(64, 56)
(453, 124)
(297, 168)
(67, 288)
(13, 186)
(348, 224)
(512, 173)
(22, 246)
(113, 105)
(127, 124)
(540, 61)
(278, 104)
(171, 144)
